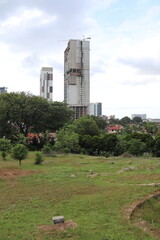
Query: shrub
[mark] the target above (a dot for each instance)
(66, 150)
(47, 150)
(127, 155)
(38, 158)
(107, 154)
(19, 152)
(5, 147)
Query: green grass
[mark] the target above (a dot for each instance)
(95, 204)
(149, 212)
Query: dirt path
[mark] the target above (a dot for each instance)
(146, 227)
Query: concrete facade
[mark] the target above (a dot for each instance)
(77, 76)
(46, 83)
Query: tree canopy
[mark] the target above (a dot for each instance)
(22, 113)
(86, 126)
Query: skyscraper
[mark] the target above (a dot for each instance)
(77, 76)
(46, 83)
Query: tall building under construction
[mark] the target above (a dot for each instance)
(77, 76)
(46, 83)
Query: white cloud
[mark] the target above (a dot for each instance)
(124, 56)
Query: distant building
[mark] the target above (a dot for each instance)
(111, 117)
(3, 89)
(46, 83)
(142, 116)
(77, 76)
(114, 129)
(95, 109)
(154, 120)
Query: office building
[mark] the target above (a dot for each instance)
(46, 83)
(95, 109)
(77, 76)
(3, 89)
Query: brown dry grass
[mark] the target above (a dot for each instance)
(14, 173)
(59, 227)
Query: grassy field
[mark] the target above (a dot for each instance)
(31, 195)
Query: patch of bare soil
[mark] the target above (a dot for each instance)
(146, 227)
(14, 173)
(59, 226)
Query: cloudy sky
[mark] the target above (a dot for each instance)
(125, 49)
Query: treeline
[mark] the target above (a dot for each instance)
(31, 121)
(84, 136)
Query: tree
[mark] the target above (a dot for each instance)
(143, 137)
(67, 138)
(19, 152)
(86, 126)
(137, 120)
(5, 146)
(151, 128)
(156, 149)
(110, 142)
(23, 113)
(92, 145)
(136, 147)
(125, 121)
(38, 158)
(101, 123)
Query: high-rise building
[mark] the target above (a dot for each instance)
(95, 109)
(3, 89)
(46, 83)
(77, 76)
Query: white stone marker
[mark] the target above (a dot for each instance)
(57, 219)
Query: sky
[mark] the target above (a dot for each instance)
(124, 49)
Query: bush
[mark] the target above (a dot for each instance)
(127, 155)
(5, 146)
(66, 150)
(47, 150)
(107, 154)
(38, 158)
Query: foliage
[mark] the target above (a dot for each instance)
(5, 146)
(67, 140)
(136, 147)
(97, 144)
(113, 121)
(38, 158)
(110, 142)
(156, 149)
(151, 128)
(37, 141)
(19, 152)
(86, 126)
(18, 138)
(47, 150)
(101, 123)
(137, 120)
(144, 137)
(23, 113)
(125, 121)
